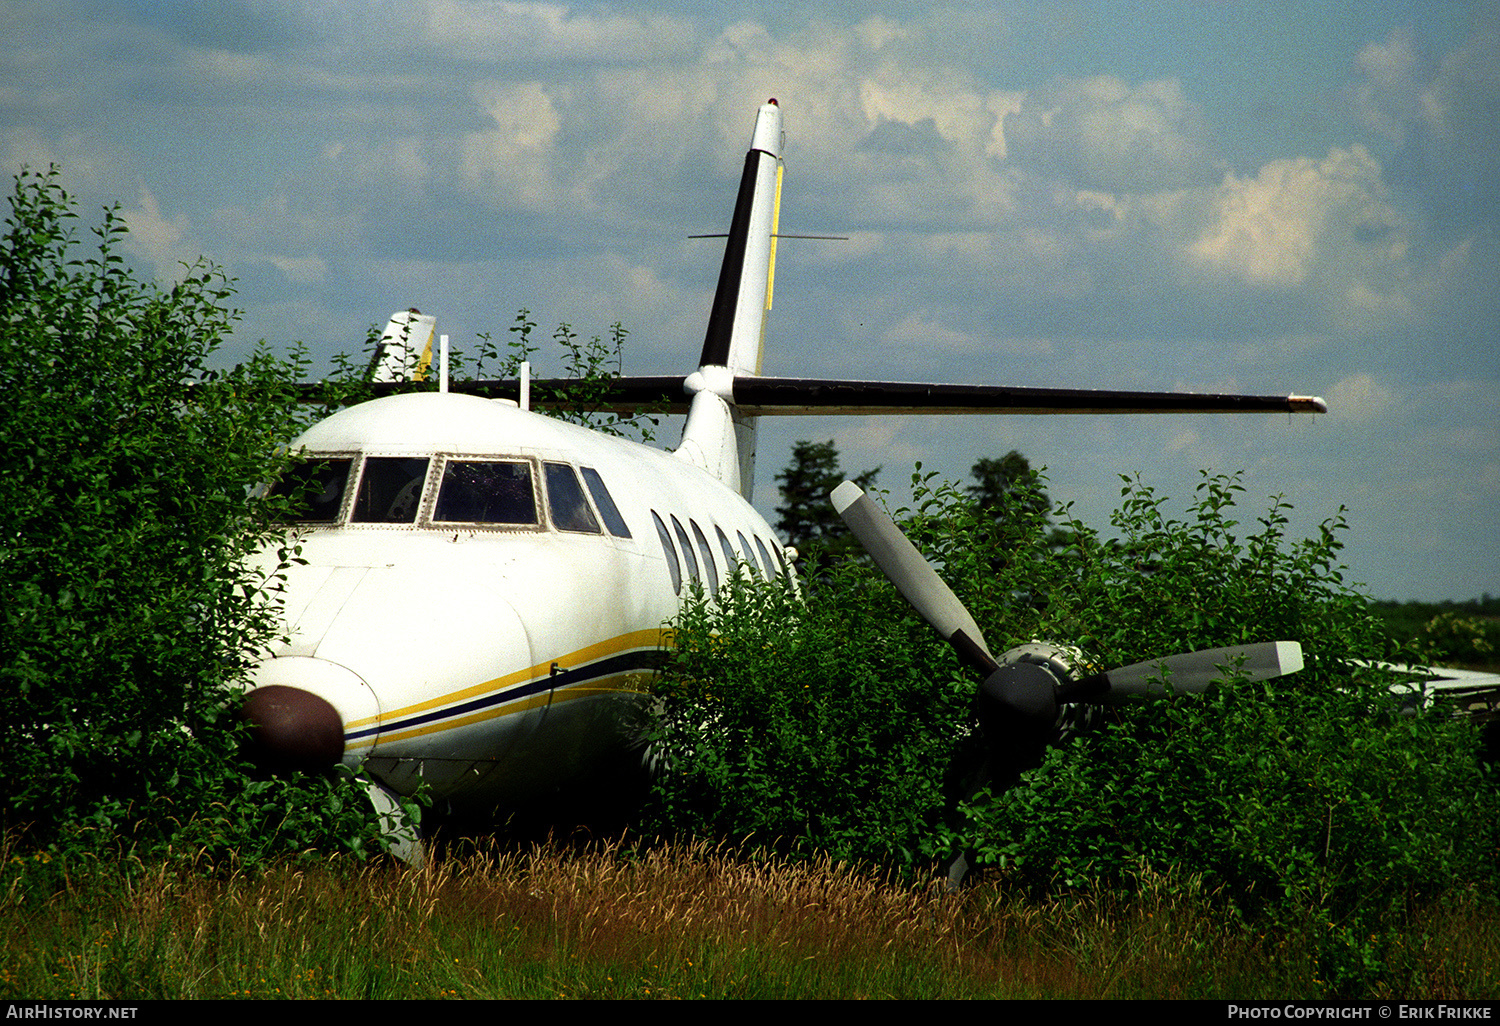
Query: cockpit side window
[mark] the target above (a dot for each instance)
(390, 489)
(671, 553)
(570, 510)
(605, 502)
(485, 492)
(316, 488)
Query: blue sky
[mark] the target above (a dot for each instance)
(1213, 196)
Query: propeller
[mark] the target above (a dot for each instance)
(1017, 702)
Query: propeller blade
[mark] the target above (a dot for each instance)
(1190, 672)
(912, 575)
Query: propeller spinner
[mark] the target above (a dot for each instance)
(1017, 702)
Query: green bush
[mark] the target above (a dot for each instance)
(1312, 789)
(1468, 640)
(126, 508)
(805, 723)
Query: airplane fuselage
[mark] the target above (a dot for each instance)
(484, 590)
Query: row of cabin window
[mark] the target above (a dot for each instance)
(731, 559)
(498, 492)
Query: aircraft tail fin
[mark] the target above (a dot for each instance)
(737, 323)
(404, 352)
(717, 436)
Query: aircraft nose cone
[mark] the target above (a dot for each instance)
(293, 729)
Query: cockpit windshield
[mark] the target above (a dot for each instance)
(476, 491)
(390, 490)
(315, 488)
(485, 492)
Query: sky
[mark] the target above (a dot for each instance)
(1265, 198)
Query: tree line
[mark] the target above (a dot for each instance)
(1007, 489)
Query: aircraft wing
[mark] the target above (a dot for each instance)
(764, 397)
(769, 397)
(1471, 694)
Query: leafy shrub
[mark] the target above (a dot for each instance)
(127, 509)
(806, 722)
(1456, 638)
(1306, 789)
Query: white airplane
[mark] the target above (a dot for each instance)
(483, 589)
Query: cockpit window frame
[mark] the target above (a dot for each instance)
(340, 518)
(437, 469)
(418, 503)
(429, 512)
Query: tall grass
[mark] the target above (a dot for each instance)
(669, 921)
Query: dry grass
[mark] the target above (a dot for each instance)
(671, 921)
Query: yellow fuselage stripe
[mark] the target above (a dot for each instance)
(622, 643)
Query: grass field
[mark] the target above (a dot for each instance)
(668, 922)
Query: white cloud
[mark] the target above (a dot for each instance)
(1444, 115)
(1392, 93)
(919, 330)
(1105, 134)
(508, 31)
(302, 270)
(883, 442)
(1297, 216)
(1402, 91)
(514, 164)
(163, 243)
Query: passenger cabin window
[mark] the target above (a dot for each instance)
(315, 487)
(749, 553)
(606, 504)
(687, 550)
(708, 557)
(765, 560)
(485, 492)
(570, 510)
(670, 552)
(390, 490)
(730, 559)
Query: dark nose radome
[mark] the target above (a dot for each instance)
(292, 729)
